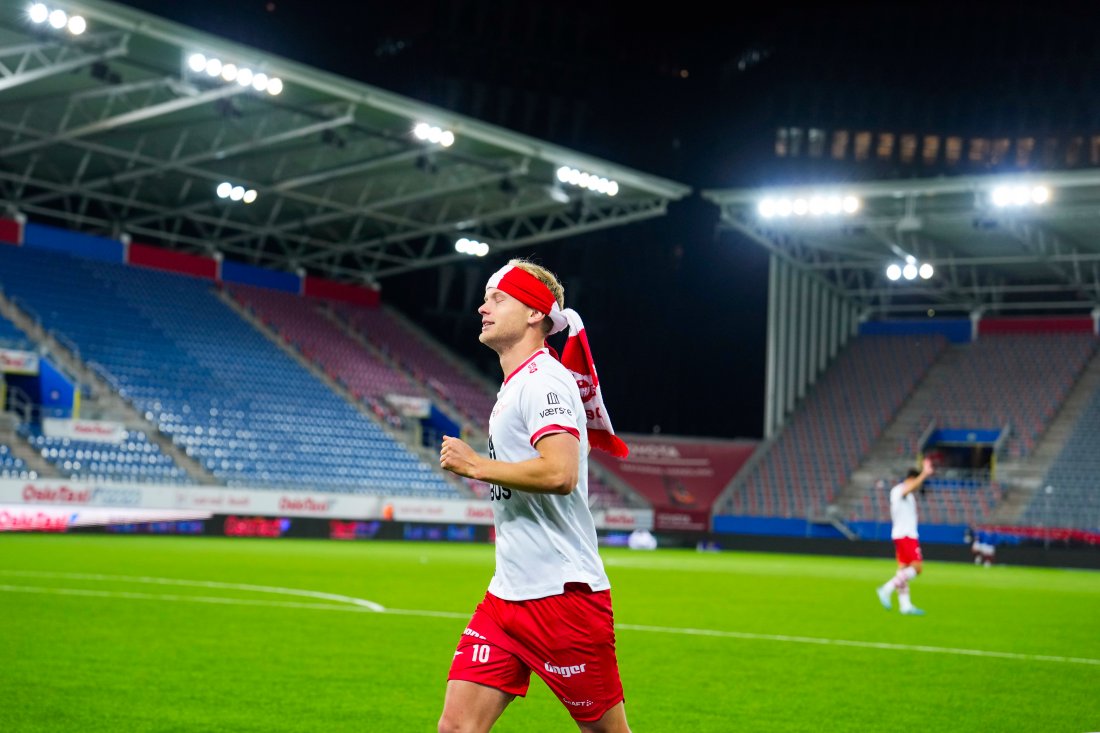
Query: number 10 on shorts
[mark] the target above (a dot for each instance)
(480, 653)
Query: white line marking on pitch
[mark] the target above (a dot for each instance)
(349, 603)
(203, 584)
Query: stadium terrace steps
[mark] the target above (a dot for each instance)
(1015, 380)
(99, 398)
(833, 427)
(1073, 499)
(324, 371)
(26, 461)
(385, 357)
(458, 363)
(889, 458)
(427, 361)
(1025, 477)
(11, 336)
(228, 397)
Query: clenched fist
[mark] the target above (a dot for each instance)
(457, 456)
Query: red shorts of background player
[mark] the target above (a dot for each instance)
(908, 550)
(568, 640)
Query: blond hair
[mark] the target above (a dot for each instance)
(548, 278)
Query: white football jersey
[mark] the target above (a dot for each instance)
(543, 541)
(903, 513)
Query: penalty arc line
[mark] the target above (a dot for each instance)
(348, 603)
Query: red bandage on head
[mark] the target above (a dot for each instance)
(529, 290)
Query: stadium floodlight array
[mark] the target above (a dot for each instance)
(472, 247)
(910, 269)
(56, 18)
(233, 192)
(1019, 195)
(816, 206)
(229, 72)
(435, 135)
(591, 181)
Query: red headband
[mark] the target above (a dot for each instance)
(524, 287)
(529, 290)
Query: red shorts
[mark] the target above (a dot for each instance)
(908, 550)
(567, 639)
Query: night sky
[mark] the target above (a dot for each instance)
(691, 92)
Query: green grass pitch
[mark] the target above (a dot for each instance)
(112, 633)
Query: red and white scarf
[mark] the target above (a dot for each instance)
(576, 355)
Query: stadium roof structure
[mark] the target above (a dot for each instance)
(993, 246)
(120, 130)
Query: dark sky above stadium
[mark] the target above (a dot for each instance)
(685, 90)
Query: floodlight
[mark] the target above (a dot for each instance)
(224, 188)
(260, 82)
(925, 271)
(909, 272)
(196, 62)
(893, 272)
(38, 13)
(1019, 195)
(58, 19)
(275, 86)
(237, 193)
(249, 196)
(471, 247)
(77, 25)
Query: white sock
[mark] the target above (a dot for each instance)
(903, 598)
(901, 577)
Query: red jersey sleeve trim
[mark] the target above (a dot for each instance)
(552, 429)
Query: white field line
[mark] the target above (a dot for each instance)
(348, 603)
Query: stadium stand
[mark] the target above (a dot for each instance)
(301, 323)
(834, 426)
(1018, 380)
(11, 337)
(11, 466)
(426, 362)
(134, 459)
(1074, 497)
(224, 393)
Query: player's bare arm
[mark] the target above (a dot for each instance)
(912, 484)
(553, 471)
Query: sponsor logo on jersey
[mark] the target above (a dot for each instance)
(552, 398)
(566, 671)
(578, 703)
(556, 411)
(470, 632)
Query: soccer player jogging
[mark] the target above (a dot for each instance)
(903, 516)
(548, 605)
